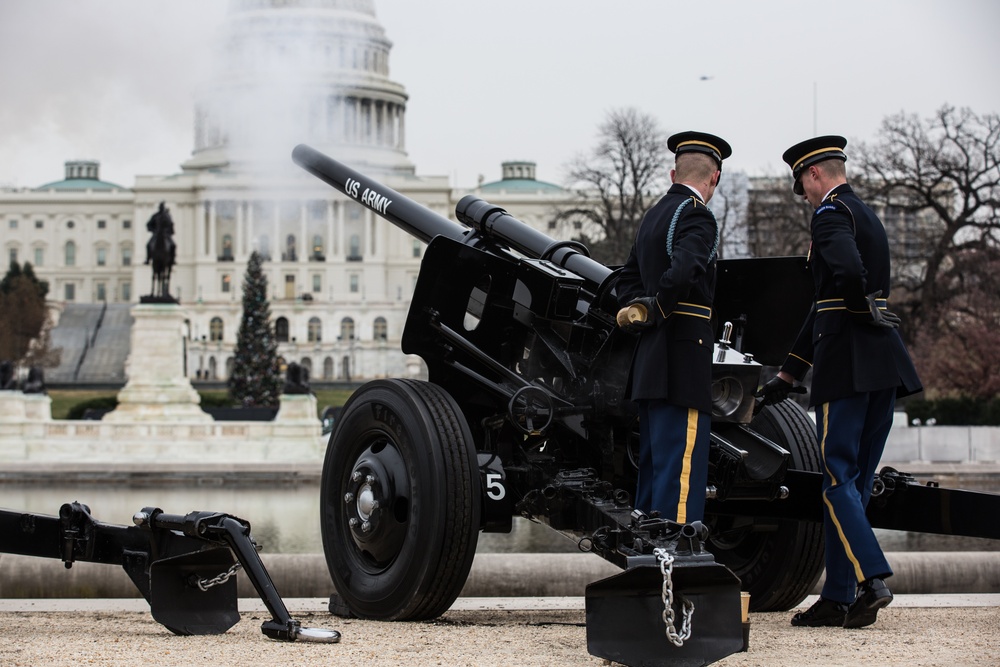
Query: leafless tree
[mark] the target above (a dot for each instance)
(730, 204)
(938, 185)
(777, 221)
(625, 173)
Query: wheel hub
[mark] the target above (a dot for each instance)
(375, 502)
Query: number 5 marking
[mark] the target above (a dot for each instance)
(494, 486)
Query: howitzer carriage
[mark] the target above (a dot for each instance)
(524, 414)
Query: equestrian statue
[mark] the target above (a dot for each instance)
(161, 252)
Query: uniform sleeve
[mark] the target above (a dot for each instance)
(694, 239)
(628, 284)
(799, 359)
(834, 239)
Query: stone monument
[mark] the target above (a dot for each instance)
(157, 388)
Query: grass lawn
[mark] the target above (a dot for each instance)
(63, 400)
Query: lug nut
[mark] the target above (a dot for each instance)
(370, 479)
(356, 476)
(353, 522)
(348, 497)
(366, 526)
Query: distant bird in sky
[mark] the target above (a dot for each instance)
(706, 78)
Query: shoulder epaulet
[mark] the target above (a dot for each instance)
(673, 226)
(832, 204)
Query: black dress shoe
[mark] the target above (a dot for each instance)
(823, 613)
(873, 594)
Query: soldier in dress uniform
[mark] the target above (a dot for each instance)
(670, 273)
(859, 365)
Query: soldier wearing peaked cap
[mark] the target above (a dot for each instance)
(670, 275)
(859, 365)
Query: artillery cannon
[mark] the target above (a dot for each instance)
(524, 414)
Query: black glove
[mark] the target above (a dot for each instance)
(776, 390)
(879, 318)
(643, 303)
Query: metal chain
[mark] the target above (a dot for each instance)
(667, 569)
(205, 584)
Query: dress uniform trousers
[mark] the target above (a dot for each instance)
(673, 444)
(852, 433)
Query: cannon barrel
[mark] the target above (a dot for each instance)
(413, 218)
(489, 221)
(495, 223)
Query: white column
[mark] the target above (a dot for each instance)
(244, 225)
(330, 249)
(212, 252)
(341, 214)
(276, 245)
(303, 244)
(402, 128)
(356, 134)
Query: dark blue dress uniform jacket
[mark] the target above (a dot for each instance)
(849, 258)
(673, 361)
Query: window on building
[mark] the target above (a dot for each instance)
(355, 252)
(328, 369)
(69, 292)
(347, 329)
(315, 330)
(227, 281)
(380, 330)
(70, 253)
(281, 330)
(126, 224)
(101, 292)
(227, 247)
(70, 224)
(416, 248)
(289, 255)
(39, 224)
(317, 283)
(102, 256)
(12, 224)
(355, 282)
(126, 291)
(126, 255)
(102, 224)
(317, 249)
(215, 329)
(39, 256)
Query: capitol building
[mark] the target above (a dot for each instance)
(340, 278)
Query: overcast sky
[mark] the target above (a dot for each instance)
(114, 80)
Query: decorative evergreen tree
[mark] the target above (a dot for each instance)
(256, 378)
(24, 327)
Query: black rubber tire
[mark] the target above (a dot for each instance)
(412, 563)
(777, 561)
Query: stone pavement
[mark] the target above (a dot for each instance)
(917, 630)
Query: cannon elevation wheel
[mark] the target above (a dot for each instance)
(400, 502)
(777, 560)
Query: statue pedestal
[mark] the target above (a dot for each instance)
(157, 389)
(12, 406)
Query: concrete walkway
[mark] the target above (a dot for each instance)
(522, 632)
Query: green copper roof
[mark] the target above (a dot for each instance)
(80, 184)
(523, 185)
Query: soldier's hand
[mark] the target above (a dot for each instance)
(776, 390)
(878, 317)
(639, 314)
